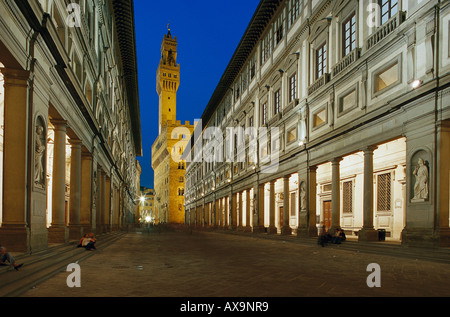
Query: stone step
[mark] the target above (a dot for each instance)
(391, 248)
(42, 265)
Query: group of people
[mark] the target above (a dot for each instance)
(325, 236)
(87, 242)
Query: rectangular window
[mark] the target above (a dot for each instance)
(384, 192)
(321, 61)
(252, 67)
(389, 8)
(347, 102)
(295, 7)
(387, 77)
(320, 118)
(347, 197)
(278, 29)
(277, 102)
(264, 113)
(349, 35)
(293, 205)
(292, 87)
(266, 47)
(292, 135)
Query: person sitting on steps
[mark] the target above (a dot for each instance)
(6, 256)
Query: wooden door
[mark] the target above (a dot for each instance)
(281, 217)
(327, 214)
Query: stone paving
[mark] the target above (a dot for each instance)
(211, 264)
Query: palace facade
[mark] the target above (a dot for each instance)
(70, 129)
(330, 114)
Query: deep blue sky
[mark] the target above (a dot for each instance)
(208, 32)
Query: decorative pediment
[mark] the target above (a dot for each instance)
(338, 6)
(319, 27)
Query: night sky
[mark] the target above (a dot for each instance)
(208, 33)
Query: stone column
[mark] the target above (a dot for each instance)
(335, 193)
(311, 195)
(286, 229)
(226, 217)
(443, 183)
(214, 212)
(86, 191)
(101, 206)
(272, 228)
(15, 231)
(219, 213)
(247, 210)
(58, 231)
(75, 228)
(258, 205)
(98, 201)
(107, 213)
(233, 220)
(368, 233)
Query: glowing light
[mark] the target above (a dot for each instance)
(416, 84)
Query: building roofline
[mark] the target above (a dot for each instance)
(258, 23)
(126, 38)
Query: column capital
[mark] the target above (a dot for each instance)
(87, 155)
(312, 168)
(13, 76)
(75, 142)
(336, 160)
(369, 149)
(59, 124)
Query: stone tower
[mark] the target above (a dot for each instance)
(168, 80)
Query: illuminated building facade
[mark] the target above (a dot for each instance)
(339, 118)
(70, 120)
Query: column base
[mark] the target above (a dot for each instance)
(420, 237)
(259, 229)
(272, 230)
(75, 232)
(367, 235)
(15, 238)
(444, 237)
(58, 234)
(286, 231)
(86, 229)
(304, 232)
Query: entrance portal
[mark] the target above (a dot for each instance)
(327, 214)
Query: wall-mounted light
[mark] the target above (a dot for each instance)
(416, 83)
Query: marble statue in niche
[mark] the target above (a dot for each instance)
(421, 190)
(39, 156)
(302, 196)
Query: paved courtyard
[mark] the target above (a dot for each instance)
(209, 264)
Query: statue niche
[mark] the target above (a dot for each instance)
(421, 173)
(39, 153)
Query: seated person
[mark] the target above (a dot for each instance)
(6, 256)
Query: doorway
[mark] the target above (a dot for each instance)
(327, 214)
